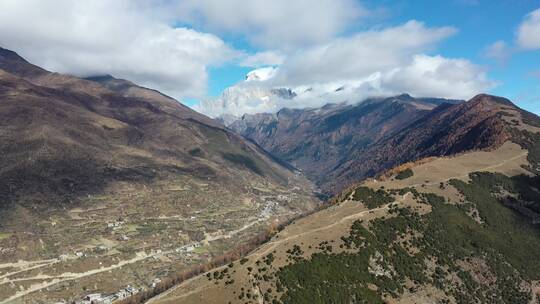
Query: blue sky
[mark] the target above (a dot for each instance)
(479, 24)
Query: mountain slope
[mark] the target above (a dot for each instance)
(128, 89)
(87, 122)
(457, 229)
(319, 141)
(78, 155)
(446, 130)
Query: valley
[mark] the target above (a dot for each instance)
(118, 247)
(108, 188)
(371, 246)
(337, 145)
(116, 193)
(269, 152)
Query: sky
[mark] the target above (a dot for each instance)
(200, 51)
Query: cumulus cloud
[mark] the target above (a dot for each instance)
(527, 37)
(266, 58)
(437, 76)
(281, 24)
(373, 63)
(528, 34)
(360, 55)
(130, 39)
(302, 43)
(424, 76)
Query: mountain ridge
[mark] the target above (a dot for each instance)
(447, 130)
(460, 226)
(100, 101)
(93, 177)
(318, 140)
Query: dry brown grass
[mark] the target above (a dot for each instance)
(327, 225)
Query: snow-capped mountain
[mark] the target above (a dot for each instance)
(258, 94)
(261, 74)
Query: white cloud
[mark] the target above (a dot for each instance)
(527, 37)
(374, 63)
(528, 34)
(360, 55)
(137, 40)
(437, 76)
(498, 50)
(265, 58)
(283, 24)
(126, 38)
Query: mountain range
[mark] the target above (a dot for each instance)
(454, 219)
(101, 168)
(110, 191)
(340, 144)
(83, 134)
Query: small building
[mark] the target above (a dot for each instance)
(131, 290)
(122, 294)
(92, 298)
(155, 282)
(108, 299)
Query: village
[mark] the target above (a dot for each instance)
(98, 298)
(187, 250)
(110, 259)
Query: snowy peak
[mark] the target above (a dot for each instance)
(261, 74)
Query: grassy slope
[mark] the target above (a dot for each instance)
(506, 240)
(465, 247)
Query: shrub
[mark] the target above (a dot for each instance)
(405, 174)
(372, 199)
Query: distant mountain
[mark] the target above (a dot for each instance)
(324, 141)
(445, 130)
(259, 93)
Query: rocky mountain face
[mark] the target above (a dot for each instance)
(324, 142)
